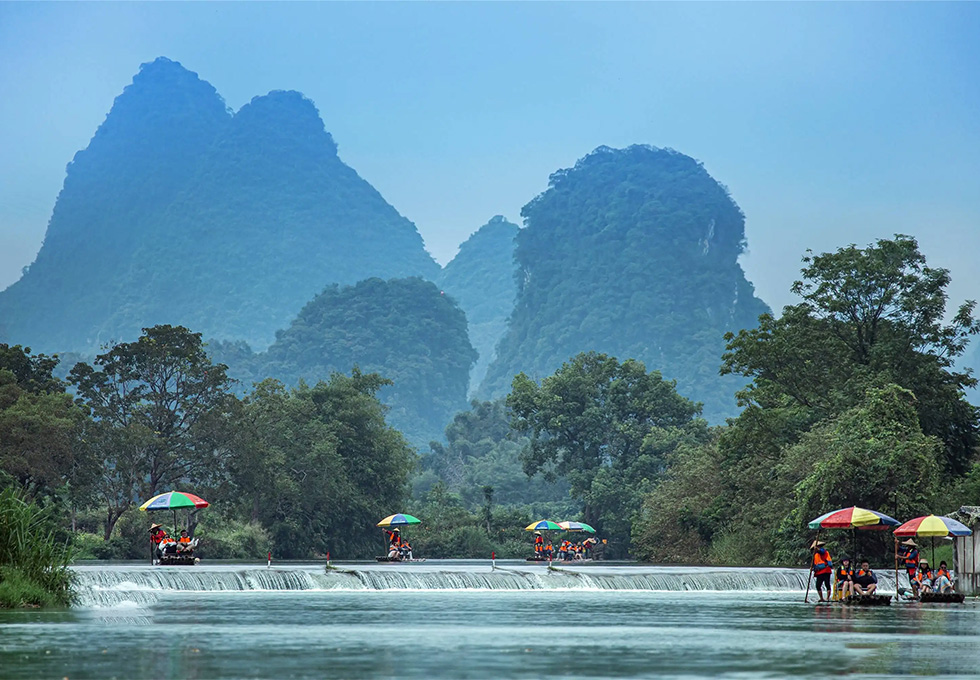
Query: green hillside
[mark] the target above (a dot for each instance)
(481, 278)
(179, 212)
(406, 330)
(633, 253)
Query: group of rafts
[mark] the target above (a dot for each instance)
(399, 549)
(857, 584)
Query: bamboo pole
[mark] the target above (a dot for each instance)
(806, 598)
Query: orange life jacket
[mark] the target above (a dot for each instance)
(912, 559)
(844, 573)
(822, 563)
(159, 536)
(943, 572)
(923, 574)
(185, 539)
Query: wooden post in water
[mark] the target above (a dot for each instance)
(896, 566)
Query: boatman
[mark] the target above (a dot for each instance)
(823, 567)
(910, 553)
(159, 537)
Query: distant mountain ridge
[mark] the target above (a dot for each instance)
(632, 252)
(180, 212)
(482, 279)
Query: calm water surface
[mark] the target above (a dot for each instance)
(170, 632)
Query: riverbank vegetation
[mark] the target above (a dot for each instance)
(34, 555)
(853, 398)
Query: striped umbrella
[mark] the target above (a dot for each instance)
(543, 525)
(398, 520)
(577, 526)
(173, 500)
(854, 518)
(933, 526)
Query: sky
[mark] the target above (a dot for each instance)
(830, 123)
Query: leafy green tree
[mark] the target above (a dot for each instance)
(319, 465)
(869, 317)
(160, 394)
(38, 422)
(606, 427)
(873, 455)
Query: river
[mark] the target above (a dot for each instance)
(462, 620)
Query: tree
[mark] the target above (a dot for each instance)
(318, 466)
(869, 317)
(155, 400)
(593, 420)
(38, 421)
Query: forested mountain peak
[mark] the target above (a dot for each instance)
(632, 252)
(285, 117)
(407, 330)
(482, 280)
(180, 213)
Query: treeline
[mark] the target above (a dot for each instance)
(298, 471)
(853, 398)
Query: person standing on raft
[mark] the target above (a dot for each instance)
(910, 553)
(823, 567)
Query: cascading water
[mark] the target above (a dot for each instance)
(110, 586)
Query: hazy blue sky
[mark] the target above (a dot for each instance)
(830, 123)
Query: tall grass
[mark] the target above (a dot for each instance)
(33, 562)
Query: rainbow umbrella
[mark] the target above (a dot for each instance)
(173, 500)
(398, 520)
(576, 526)
(932, 526)
(543, 525)
(853, 518)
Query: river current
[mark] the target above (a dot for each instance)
(463, 620)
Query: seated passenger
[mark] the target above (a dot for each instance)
(549, 551)
(943, 582)
(845, 578)
(924, 577)
(405, 551)
(865, 581)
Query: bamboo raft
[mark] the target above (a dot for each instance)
(868, 600)
(945, 598)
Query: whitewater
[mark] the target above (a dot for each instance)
(109, 585)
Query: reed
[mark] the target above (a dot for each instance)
(33, 562)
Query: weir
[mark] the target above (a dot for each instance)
(113, 585)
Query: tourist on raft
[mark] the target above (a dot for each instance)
(924, 578)
(865, 581)
(845, 578)
(823, 567)
(943, 583)
(910, 554)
